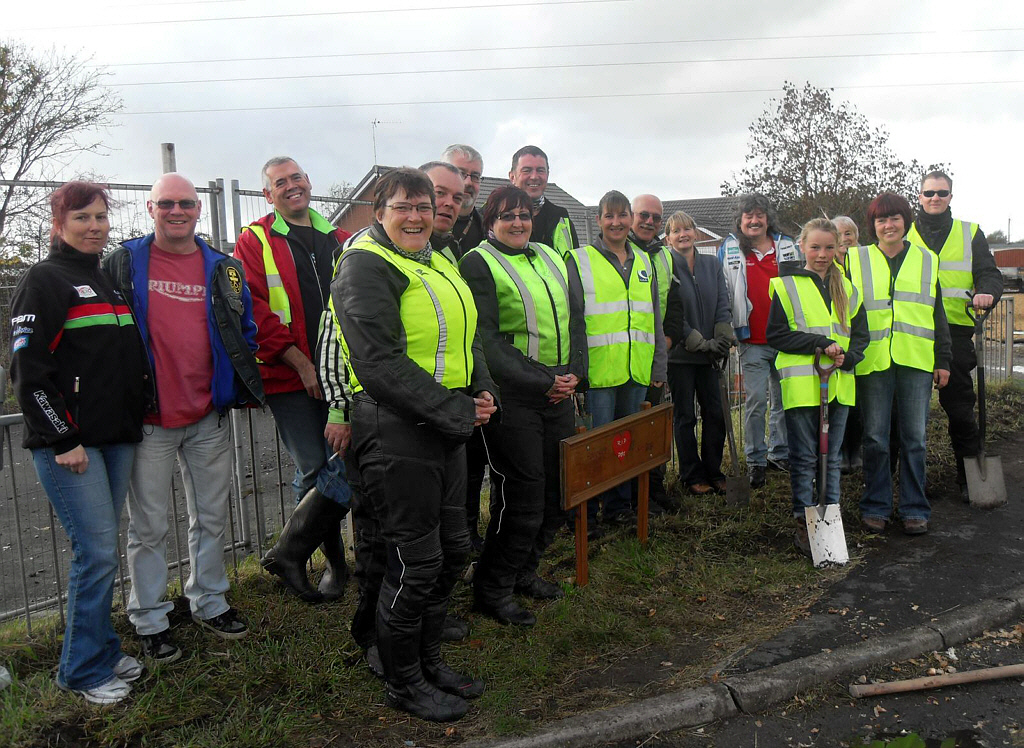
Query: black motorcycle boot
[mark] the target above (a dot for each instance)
(435, 670)
(300, 536)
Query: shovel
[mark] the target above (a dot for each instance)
(825, 521)
(985, 485)
(737, 487)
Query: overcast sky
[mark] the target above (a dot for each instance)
(634, 95)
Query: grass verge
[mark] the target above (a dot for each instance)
(710, 584)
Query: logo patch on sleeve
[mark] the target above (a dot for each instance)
(19, 343)
(85, 292)
(235, 279)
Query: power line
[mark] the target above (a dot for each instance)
(268, 16)
(573, 65)
(521, 48)
(552, 98)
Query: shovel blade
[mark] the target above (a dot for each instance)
(737, 491)
(825, 531)
(986, 487)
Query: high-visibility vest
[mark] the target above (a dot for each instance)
(619, 318)
(561, 239)
(533, 300)
(662, 262)
(277, 297)
(806, 311)
(955, 274)
(901, 326)
(438, 316)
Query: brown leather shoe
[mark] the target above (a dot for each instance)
(915, 526)
(800, 538)
(872, 524)
(701, 488)
(719, 484)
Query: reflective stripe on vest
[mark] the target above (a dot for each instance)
(277, 297)
(902, 326)
(619, 318)
(438, 317)
(806, 312)
(956, 275)
(562, 237)
(533, 301)
(663, 272)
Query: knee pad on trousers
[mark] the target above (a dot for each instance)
(410, 577)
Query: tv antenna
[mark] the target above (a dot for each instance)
(373, 131)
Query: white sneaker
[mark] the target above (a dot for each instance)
(111, 692)
(129, 669)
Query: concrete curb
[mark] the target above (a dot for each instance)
(757, 691)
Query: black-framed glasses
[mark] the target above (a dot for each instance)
(183, 204)
(933, 193)
(473, 176)
(509, 216)
(648, 216)
(404, 209)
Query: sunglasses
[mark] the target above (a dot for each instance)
(933, 193)
(653, 217)
(183, 204)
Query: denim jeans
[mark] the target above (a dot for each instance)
(913, 390)
(301, 420)
(607, 404)
(204, 453)
(802, 430)
(761, 384)
(89, 507)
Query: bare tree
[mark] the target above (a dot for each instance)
(48, 103)
(812, 156)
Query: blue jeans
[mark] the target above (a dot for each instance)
(802, 430)
(301, 420)
(607, 404)
(762, 389)
(89, 507)
(913, 388)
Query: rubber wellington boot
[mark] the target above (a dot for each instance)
(299, 538)
(332, 584)
(435, 670)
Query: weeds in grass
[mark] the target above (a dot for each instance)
(710, 582)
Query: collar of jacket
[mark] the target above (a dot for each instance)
(319, 223)
(932, 224)
(64, 252)
(652, 247)
(506, 249)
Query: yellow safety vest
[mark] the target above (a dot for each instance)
(955, 272)
(806, 311)
(662, 261)
(901, 326)
(438, 317)
(562, 237)
(619, 318)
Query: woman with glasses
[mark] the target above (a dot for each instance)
(420, 386)
(908, 352)
(80, 376)
(535, 342)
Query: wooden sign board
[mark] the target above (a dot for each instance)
(602, 458)
(599, 459)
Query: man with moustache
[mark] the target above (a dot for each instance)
(751, 257)
(971, 283)
(551, 223)
(469, 226)
(194, 313)
(288, 257)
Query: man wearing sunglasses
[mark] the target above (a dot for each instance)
(646, 234)
(971, 283)
(288, 257)
(194, 311)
